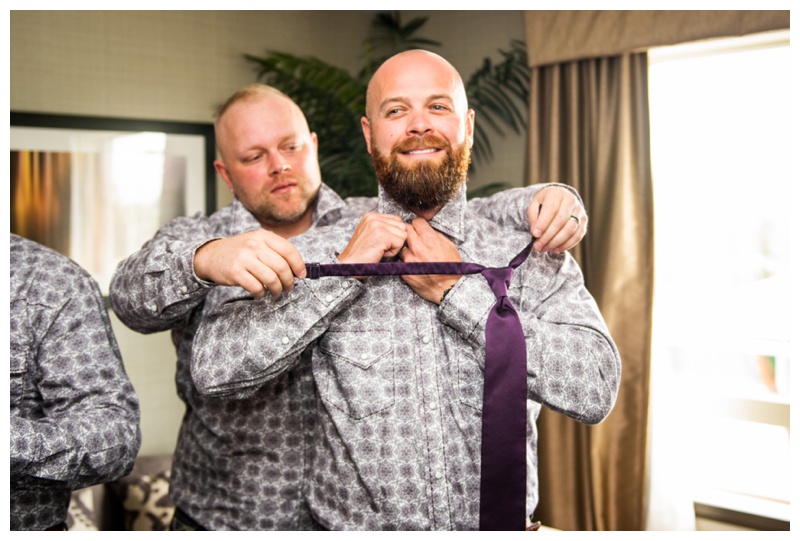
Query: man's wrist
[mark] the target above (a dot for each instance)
(197, 262)
(446, 291)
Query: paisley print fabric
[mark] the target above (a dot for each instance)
(74, 413)
(396, 442)
(240, 463)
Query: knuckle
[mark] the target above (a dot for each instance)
(250, 243)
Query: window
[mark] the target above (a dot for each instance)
(720, 138)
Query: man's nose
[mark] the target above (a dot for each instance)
(278, 164)
(419, 124)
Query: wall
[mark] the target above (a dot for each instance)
(179, 65)
(171, 65)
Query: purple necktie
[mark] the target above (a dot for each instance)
(503, 433)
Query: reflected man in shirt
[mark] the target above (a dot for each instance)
(74, 413)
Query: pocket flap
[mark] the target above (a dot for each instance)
(360, 348)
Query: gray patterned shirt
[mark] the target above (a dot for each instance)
(399, 379)
(74, 413)
(240, 464)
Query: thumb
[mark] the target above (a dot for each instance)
(534, 211)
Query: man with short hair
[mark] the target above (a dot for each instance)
(242, 464)
(398, 361)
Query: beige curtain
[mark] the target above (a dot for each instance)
(40, 197)
(589, 128)
(565, 35)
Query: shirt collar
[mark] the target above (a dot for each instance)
(327, 203)
(449, 220)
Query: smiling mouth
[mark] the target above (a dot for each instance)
(426, 146)
(421, 152)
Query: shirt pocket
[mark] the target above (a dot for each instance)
(354, 371)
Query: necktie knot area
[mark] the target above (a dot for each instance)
(499, 280)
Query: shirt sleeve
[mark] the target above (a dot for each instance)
(573, 364)
(84, 428)
(509, 208)
(246, 342)
(156, 287)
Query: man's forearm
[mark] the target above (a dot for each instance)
(573, 363)
(509, 208)
(156, 287)
(244, 343)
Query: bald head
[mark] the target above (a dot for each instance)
(248, 92)
(409, 69)
(229, 116)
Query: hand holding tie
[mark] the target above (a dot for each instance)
(425, 244)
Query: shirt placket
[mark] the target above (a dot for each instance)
(433, 410)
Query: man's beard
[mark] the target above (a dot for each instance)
(427, 185)
(277, 211)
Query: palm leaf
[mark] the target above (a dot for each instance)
(333, 102)
(390, 31)
(499, 94)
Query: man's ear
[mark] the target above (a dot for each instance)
(367, 129)
(219, 165)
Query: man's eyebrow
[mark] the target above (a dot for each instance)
(387, 101)
(402, 99)
(290, 138)
(445, 97)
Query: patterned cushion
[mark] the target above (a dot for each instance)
(144, 494)
(81, 515)
(145, 500)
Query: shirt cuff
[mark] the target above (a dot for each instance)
(466, 308)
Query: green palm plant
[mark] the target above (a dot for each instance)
(333, 100)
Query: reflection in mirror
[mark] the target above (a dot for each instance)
(97, 196)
